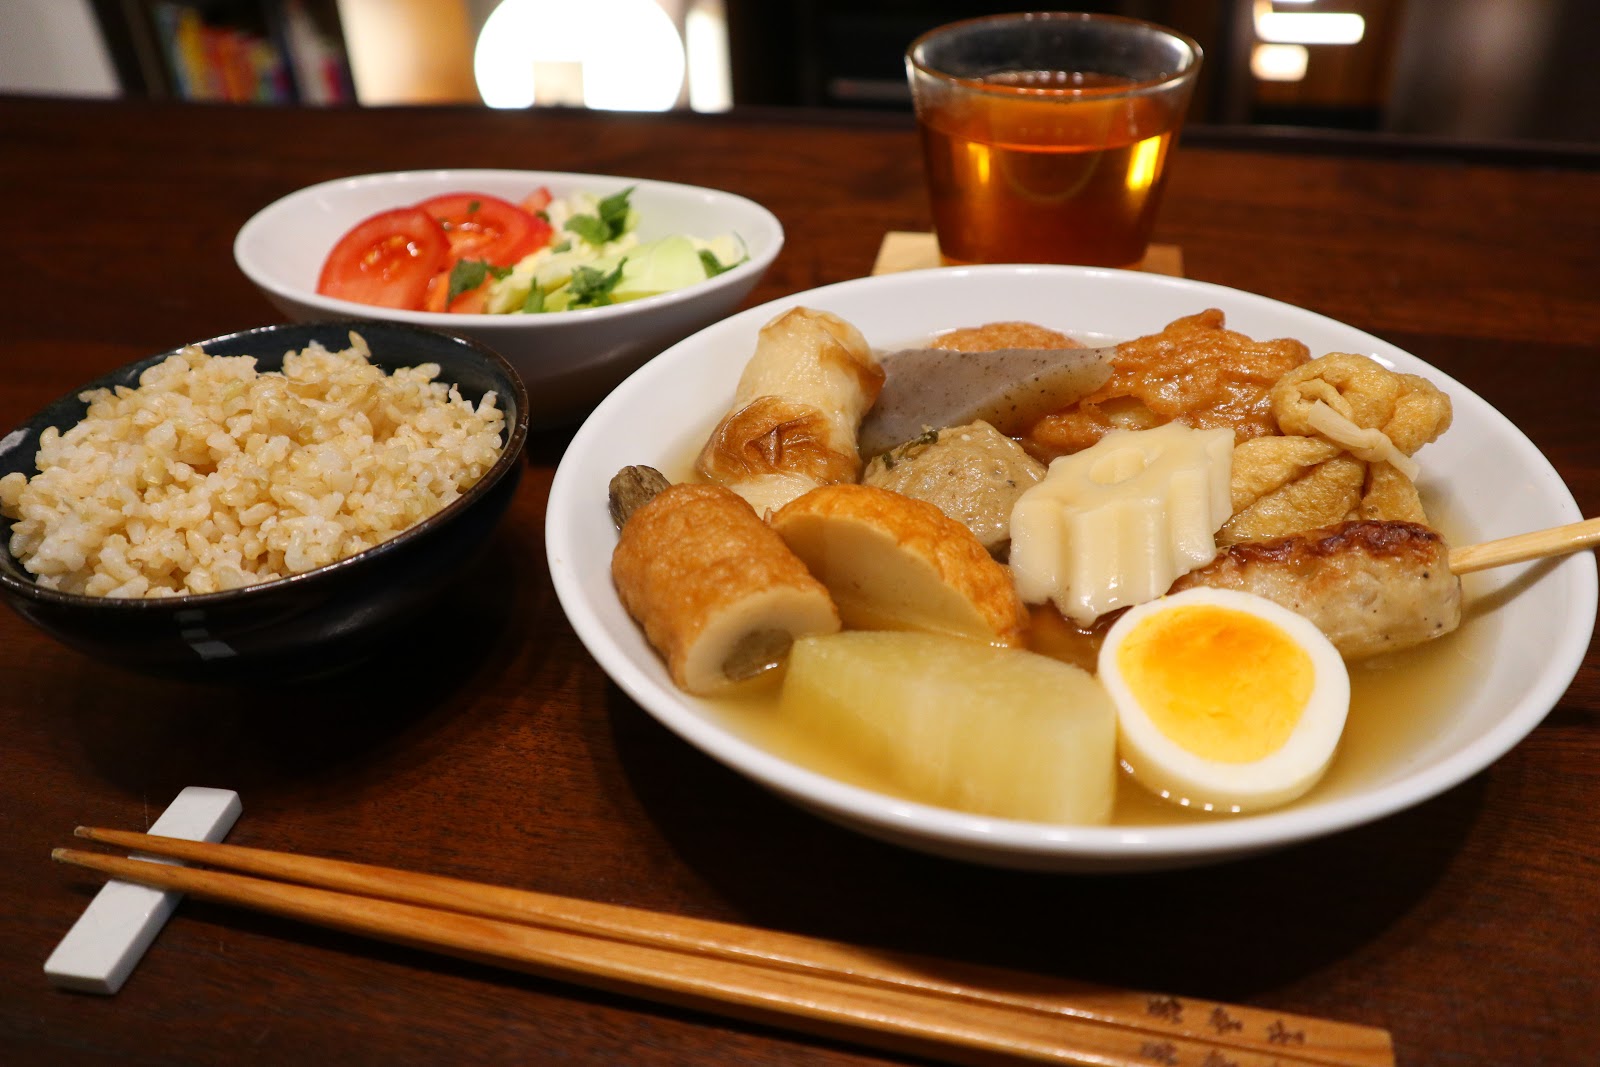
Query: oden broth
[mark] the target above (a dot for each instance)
(1398, 703)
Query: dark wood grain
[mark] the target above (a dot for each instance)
(1466, 925)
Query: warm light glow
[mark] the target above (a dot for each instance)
(618, 55)
(705, 38)
(1309, 27)
(1279, 62)
(1145, 163)
(982, 165)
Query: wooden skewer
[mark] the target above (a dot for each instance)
(897, 1001)
(1556, 541)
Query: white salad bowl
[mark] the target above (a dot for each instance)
(1528, 625)
(568, 360)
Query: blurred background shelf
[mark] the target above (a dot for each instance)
(1495, 71)
(1477, 69)
(228, 51)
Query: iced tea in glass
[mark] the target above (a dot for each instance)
(1045, 136)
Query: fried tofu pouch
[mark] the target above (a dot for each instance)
(718, 593)
(1195, 371)
(796, 411)
(1349, 428)
(995, 335)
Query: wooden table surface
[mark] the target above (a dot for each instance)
(1469, 926)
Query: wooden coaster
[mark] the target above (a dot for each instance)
(902, 250)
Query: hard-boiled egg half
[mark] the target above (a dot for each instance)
(1225, 700)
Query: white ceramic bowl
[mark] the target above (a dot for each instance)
(568, 360)
(1536, 619)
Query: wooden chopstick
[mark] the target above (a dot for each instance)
(1555, 541)
(901, 1002)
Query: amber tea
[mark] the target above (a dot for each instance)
(1024, 178)
(1032, 163)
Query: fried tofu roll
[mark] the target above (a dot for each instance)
(718, 593)
(796, 412)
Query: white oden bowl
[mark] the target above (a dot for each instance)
(1531, 624)
(567, 360)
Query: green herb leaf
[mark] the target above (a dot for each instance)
(614, 211)
(474, 205)
(607, 224)
(561, 246)
(590, 228)
(533, 303)
(591, 288)
(466, 274)
(713, 265)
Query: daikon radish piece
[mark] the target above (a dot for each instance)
(947, 721)
(1009, 388)
(718, 594)
(894, 563)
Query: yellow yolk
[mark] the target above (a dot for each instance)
(1225, 701)
(1223, 684)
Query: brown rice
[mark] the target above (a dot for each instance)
(210, 475)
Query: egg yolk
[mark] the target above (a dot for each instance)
(1223, 684)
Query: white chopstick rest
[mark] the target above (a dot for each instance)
(105, 944)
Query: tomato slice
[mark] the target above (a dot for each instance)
(487, 228)
(471, 302)
(537, 200)
(387, 260)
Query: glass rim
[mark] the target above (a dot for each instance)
(1187, 71)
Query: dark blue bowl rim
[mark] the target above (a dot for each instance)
(510, 455)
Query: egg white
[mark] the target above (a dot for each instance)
(1167, 768)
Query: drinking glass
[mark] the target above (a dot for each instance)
(1045, 136)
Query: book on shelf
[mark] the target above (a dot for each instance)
(249, 52)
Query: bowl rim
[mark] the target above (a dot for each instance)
(261, 274)
(1018, 843)
(516, 435)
